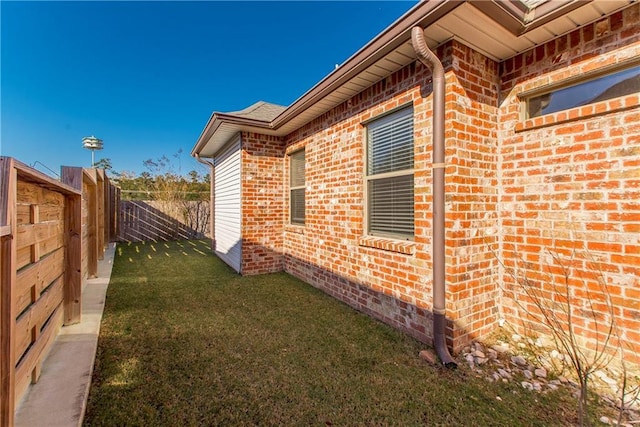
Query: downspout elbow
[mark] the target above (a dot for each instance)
(426, 56)
(203, 161)
(430, 59)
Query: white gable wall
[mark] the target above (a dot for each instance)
(228, 208)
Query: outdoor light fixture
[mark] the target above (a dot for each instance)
(92, 143)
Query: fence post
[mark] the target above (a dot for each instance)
(117, 209)
(100, 225)
(92, 223)
(8, 260)
(73, 252)
(107, 209)
(112, 212)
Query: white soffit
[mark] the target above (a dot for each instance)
(226, 132)
(470, 26)
(477, 30)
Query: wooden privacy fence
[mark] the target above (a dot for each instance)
(52, 235)
(162, 221)
(100, 201)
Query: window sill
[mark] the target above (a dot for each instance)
(293, 228)
(399, 246)
(580, 113)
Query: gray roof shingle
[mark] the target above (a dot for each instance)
(261, 110)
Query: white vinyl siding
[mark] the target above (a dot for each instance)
(227, 202)
(296, 187)
(389, 175)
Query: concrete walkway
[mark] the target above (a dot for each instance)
(59, 398)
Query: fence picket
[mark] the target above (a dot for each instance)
(45, 226)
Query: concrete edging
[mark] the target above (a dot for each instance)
(60, 396)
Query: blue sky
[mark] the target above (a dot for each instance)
(146, 76)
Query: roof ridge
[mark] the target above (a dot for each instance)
(261, 110)
(255, 106)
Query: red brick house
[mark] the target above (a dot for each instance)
(540, 149)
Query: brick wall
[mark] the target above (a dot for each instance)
(514, 188)
(390, 279)
(472, 190)
(263, 203)
(571, 183)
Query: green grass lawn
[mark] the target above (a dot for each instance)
(185, 341)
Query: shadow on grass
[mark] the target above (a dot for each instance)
(186, 341)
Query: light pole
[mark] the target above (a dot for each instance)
(92, 143)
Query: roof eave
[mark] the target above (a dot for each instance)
(397, 33)
(518, 19)
(513, 15)
(218, 119)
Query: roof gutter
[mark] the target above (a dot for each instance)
(517, 18)
(513, 15)
(217, 119)
(428, 58)
(423, 14)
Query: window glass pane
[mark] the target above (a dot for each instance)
(296, 184)
(390, 143)
(610, 86)
(391, 205)
(297, 169)
(297, 206)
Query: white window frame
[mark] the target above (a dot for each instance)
(296, 186)
(402, 113)
(590, 77)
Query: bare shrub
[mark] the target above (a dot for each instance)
(567, 299)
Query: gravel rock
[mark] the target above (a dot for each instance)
(541, 373)
(429, 357)
(470, 359)
(504, 374)
(605, 378)
(519, 360)
(500, 348)
(498, 363)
